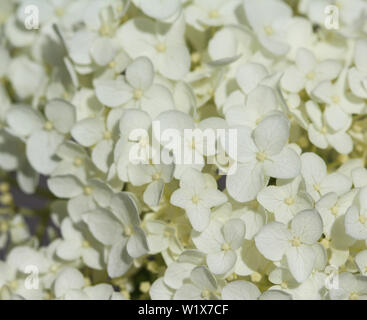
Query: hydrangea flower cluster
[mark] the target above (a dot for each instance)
(288, 222)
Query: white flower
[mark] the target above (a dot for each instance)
(318, 182)
(284, 200)
(275, 240)
(357, 75)
(307, 73)
(44, 134)
(164, 46)
(240, 290)
(322, 135)
(356, 217)
(339, 104)
(79, 244)
(120, 229)
(261, 154)
(352, 287)
(196, 198)
(202, 13)
(220, 242)
(269, 24)
(202, 286)
(137, 90)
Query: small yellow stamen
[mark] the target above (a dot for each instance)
(78, 162)
(316, 187)
(226, 247)
(85, 244)
(195, 199)
(205, 294)
(48, 125)
(296, 242)
(284, 285)
(88, 191)
(310, 75)
(362, 219)
(138, 94)
(4, 187)
(261, 156)
(128, 231)
(107, 135)
(334, 210)
(289, 201)
(269, 30)
(335, 99)
(161, 47)
(213, 14)
(323, 130)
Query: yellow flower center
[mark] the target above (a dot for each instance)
(128, 231)
(138, 94)
(226, 247)
(362, 219)
(78, 162)
(335, 99)
(195, 199)
(88, 191)
(161, 47)
(213, 14)
(48, 125)
(289, 201)
(334, 210)
(310, 75)
(323, 130)
(284, 285)
(316, 187)
(85, 244)
(296, 242)
(205, 294)
(107, 135)
(261, 156)
(269, 30)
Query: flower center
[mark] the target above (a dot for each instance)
(334, 210)
(195, 199)
(323, 130)
(316, 187)
(284, 285)
(269, 30)
(296, 242)
(128, 231)
(289, 201)
(78, 162)
(213, 14)
(205, 294)
(161, 47)
(310, 75)
(85, 244)
(48, 125)
(261, 156)
(138, 94)
(107, 135)
(335, 99)
(226, 247)
(362, 219)
(156, 176)
(88, 191)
